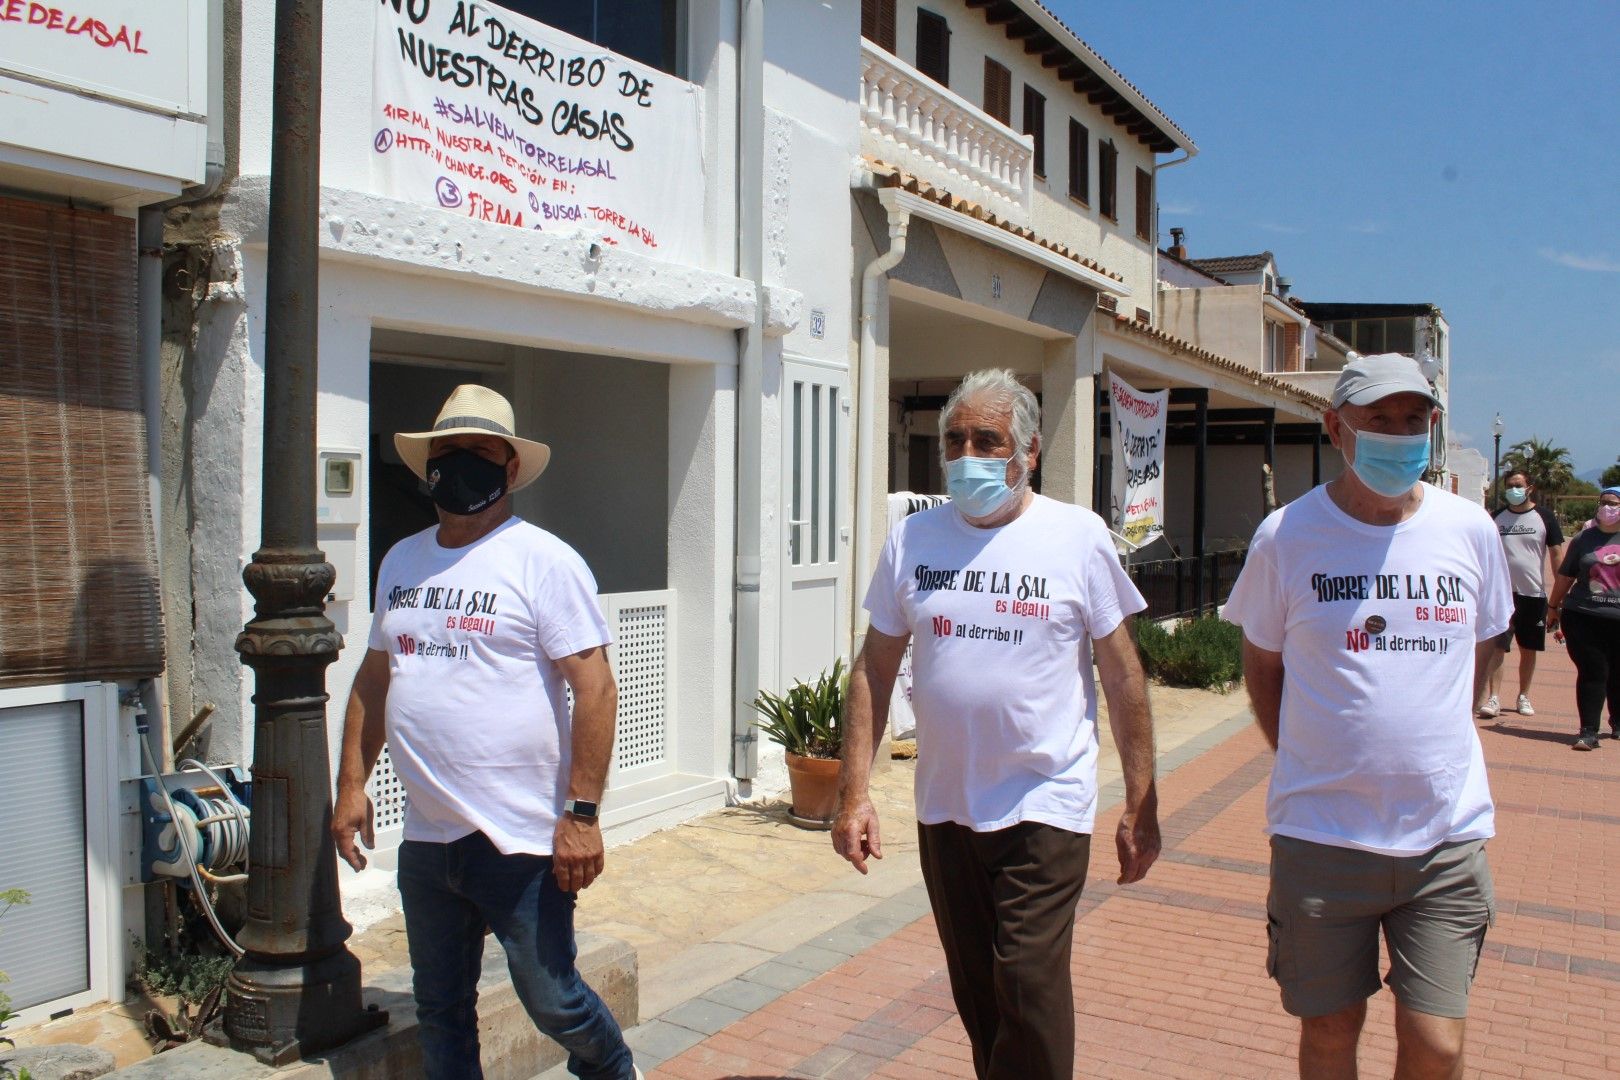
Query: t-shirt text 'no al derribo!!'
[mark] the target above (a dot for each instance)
(1001, 622)
(477, 716)
(1376, 626)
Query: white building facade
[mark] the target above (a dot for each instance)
(109, 111)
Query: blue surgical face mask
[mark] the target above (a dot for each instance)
(1516, 495)
(978, 486)
(1390, 464)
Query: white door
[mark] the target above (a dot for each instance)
(815, 536)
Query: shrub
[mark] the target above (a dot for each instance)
(1205, 652)
(191, 977)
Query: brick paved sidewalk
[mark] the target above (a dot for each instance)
(1169, 974)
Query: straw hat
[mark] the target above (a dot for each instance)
(474, 410)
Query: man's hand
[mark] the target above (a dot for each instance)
(577, 857)
(354, 813)
(1138, 839)
(855, 833)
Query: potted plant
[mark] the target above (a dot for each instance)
(807, 722)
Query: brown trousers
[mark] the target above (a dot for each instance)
(1004, 903)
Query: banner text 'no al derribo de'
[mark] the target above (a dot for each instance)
(488, 114)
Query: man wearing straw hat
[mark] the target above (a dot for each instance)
(481, 625)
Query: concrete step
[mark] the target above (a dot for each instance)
(511, 1047)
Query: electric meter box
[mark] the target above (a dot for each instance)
(339, 496)
(337, 488)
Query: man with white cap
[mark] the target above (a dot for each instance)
(481, 625)
(1369, 608)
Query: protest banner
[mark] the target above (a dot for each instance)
(488, 114)
(1138, 461)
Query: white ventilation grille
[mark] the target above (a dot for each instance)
(387, 793)
(642, 623)
(640, 669)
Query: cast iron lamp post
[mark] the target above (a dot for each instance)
(296, 990)
(1497, 427)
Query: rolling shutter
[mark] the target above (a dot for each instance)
(45, 946)
(76, 531)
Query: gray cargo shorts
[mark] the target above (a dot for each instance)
(1328, 904)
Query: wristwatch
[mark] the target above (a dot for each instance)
(579, 808)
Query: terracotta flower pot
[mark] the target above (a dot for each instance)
(814, 784)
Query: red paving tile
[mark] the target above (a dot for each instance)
(1169, 974)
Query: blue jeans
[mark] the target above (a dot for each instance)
(451, 893)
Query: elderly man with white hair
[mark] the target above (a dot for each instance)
(1008, 597)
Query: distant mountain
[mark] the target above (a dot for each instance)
(1591, 476)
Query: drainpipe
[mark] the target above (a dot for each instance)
(1157, 165)
(750, 348)
(872, 279)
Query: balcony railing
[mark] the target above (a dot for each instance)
(911, 121)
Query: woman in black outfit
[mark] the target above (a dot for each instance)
(1585, 600)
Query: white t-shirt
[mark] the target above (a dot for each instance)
(1376, 626)
(1001, 622)
(477, 717)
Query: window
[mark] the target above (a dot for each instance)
(933, 47)
(645, 30)
(877, 23)
(1369, 336)
(1108, 180)
(1400, 336)
(997, 91)
(1035, 125)
(1144, 205)
(1079, 162)
(1274, 347)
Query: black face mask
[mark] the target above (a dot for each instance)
(463, 483)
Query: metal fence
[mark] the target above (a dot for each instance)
(1170, 586)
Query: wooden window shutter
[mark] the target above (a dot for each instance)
(1079, 161)
(1144, 204)
(997, 91)
(1035, 125)
(877, 23)
(1108, 180)
(76, 536)
(1292, 360)
(934, 47)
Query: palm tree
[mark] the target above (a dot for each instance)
(1548, 466)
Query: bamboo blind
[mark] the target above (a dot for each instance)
(79, 598)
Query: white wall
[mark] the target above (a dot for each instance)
(1227, 320)
(620, 329)
(1055, 216)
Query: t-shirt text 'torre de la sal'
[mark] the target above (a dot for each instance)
(1001, 622)
(477, 715)
(1376, 626)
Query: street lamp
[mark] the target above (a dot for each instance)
(296, 990)
(1497, 427)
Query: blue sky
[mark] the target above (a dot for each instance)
(1464, 154)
